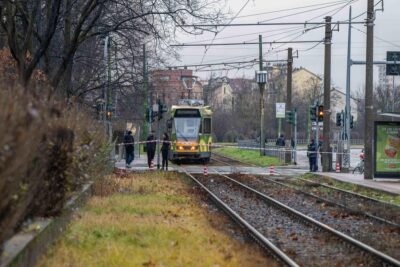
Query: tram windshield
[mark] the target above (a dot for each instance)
(187, 129)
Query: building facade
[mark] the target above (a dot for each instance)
(172, 85)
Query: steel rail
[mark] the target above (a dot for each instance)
(254, 233)
(354, 193)
(222, 156)
(382, 220)
(382, 256)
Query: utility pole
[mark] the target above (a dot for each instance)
(327, 95)
(369, 105)
(347, 112)
(262, 87)
(288, 128)
(146, 105)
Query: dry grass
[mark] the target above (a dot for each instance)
(149, 220)
(47, 151)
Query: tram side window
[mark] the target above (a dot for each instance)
(207, 126)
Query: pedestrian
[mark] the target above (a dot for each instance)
(280, 141)
(292, 145)
(312, 151)
(164, 151)
(129, 148)
(151, 148)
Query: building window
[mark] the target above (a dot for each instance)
(224, 90)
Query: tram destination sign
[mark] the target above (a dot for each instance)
(393, 69)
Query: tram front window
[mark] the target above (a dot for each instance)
(187, 129)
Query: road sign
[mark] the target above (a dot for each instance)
(393, 69)
(280, 110)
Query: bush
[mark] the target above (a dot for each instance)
(46, 153)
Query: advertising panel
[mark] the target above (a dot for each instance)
(387, 150)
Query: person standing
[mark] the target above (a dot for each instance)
(129, 148)
(151, 148)
(164, 151)
(280, 141)
(312, 151)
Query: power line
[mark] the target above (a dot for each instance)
(226, 63)
(237, 14)
(290, 9)
(377, 37)
(268, 24)
(250, 43)
(307, 11)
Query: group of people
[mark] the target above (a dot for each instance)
(150, 149)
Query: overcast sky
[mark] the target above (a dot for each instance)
(387, 28)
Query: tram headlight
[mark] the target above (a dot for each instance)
(192, 148)
(180, 147)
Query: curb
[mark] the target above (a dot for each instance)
(25, 249)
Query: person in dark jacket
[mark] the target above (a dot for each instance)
(312, 151)
(164, 151)
(151, 148)
(129, 148)
(280, 141)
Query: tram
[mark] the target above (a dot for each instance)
(190, 130)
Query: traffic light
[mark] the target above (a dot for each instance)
(290, 117)
(161, 109)
(320, 113)
(338, 119)
(313, 113)
(351, 122)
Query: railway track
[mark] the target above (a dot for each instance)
(229, 161)
(290, 235)
(371, 230)
(372, 207)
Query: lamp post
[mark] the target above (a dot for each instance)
(261, 78)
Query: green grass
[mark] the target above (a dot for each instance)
(369, 192)
(248, 156)
(156, 222)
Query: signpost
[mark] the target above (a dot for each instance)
(387, 150)
(393, 69)
(280, 110)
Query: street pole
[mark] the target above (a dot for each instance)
(262, 86)
(327, 94)
(369, 105)
(158, 137)
(288, 128)
(347, 112)
(317, 131)
(147, 129)
(295, 136)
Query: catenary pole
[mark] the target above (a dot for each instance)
(369, 105)
(288, 126)
(347, 113)
(327, 95)
(262, 136)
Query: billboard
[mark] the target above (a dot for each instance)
(387, 150)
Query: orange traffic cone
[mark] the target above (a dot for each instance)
(205, 170)
(337, 167)
(271, 170)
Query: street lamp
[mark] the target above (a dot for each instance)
(261, 78)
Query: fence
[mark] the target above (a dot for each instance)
(271, 150)
(304, 141)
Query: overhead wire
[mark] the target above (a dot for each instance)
(237, 14)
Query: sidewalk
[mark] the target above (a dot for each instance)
(386, 186)
(140, 164)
